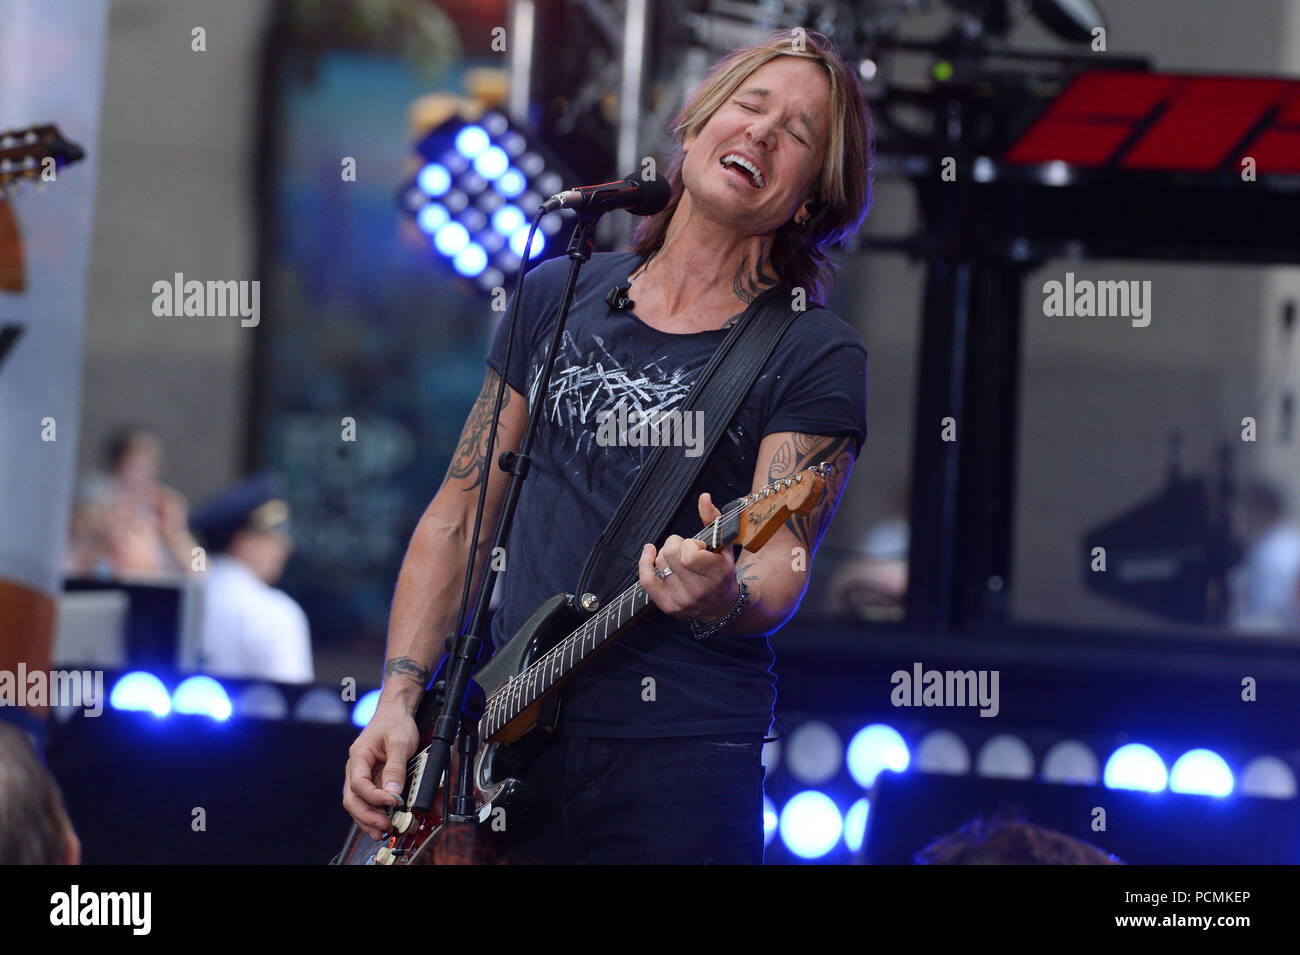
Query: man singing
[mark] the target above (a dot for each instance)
(657, 754)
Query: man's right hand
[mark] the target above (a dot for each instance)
(376, 770)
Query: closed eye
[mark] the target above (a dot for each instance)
(750, 109)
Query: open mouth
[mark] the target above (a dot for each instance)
(744, 168)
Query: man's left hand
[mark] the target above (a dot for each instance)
(702, 585)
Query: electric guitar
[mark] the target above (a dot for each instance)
(519, 687)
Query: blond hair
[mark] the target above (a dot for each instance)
(843, 190)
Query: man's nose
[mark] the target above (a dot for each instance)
(760, 131)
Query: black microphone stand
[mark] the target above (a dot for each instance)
(463, 649)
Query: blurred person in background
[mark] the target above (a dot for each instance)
(34, 826)
(250, 628)
(1265, 586)
(127, 522)
(873, 583)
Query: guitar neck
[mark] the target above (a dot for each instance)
(546, 673)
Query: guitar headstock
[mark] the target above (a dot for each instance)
(24, 153)
(765, 510)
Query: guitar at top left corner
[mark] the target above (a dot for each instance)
(34, 154)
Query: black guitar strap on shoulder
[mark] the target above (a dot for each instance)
(665, 479)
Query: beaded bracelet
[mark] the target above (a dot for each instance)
(704, 631)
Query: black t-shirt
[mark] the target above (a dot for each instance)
(814, 383)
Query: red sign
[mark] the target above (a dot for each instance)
(1158, 121)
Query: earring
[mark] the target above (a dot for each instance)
(809, 211)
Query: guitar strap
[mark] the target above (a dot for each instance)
(665, 478)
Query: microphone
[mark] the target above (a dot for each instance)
(617, 298)
(641, 197)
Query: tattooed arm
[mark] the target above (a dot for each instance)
(426, 603)
(778, 574)
(431, 579)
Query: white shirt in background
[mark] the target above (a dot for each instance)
(1266, 581)
(250, 629)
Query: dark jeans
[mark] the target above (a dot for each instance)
(682, 800)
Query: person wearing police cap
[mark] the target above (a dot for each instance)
(250, 628)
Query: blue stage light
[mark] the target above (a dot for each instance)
(549, 183)
(434, 179)
(1135, 766)
(855, 824)
(138, 690)
(456, 163)
(491, 162)
(1269, 777)
(455, 201)
(432, 218)
(814, 752)
(471, 141)
(490, 279)
(875, 748)
(489, 202)
(495, 123)
(471, 260)
(203, 696)
(451, 238)
(942, 751)
(810, 824)
(321, 704)
(520, 237)
(508, 220)
(531, 164)
(1005, 756)
(511, 183)
(512, 143)
(769, 820)
(261, 701)
(1200, 771)
(365, 708)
